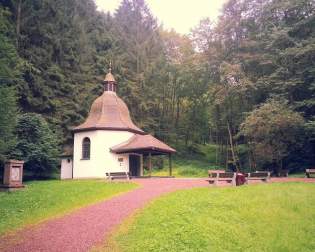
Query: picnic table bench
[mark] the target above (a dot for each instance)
(220, 175)
(309, 172)
(258, 175)
(117, 175)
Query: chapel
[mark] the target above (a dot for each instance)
(109, 142)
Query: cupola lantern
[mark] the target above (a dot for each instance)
(110, 83)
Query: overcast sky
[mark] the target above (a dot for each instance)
(182, 15)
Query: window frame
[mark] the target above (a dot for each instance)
(86, 149)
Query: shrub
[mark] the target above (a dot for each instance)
(272, 130)
(36, 145)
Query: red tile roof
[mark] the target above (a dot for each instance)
(142, 143)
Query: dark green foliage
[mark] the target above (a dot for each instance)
(260, 50)
(185, 90)
(8, 76)
(37, 145)
(273, 132)
(63, 45)
(8, 114)
(8, 54)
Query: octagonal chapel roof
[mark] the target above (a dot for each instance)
(109, 112)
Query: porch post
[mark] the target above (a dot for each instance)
(141, 165)
(150, 164)
(170, 163)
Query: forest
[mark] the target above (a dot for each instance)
(244, 83)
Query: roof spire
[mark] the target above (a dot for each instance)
(109, 76)
(109, 81)
(110, 66)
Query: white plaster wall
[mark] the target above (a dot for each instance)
(66, 168)
(101, 159)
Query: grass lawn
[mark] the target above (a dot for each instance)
(273, 217)
(185, 168)
(46, 199)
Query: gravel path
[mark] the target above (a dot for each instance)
(89, 226)
(82, 229)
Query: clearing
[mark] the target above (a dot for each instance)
(262, 217)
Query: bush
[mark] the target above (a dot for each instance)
(273, 131)
(36, 145)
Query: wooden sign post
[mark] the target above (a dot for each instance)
(13, 175)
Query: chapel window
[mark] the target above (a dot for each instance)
(86, 146)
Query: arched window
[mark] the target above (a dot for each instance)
(86, 146)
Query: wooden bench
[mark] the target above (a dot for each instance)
(117, 175)
(220, 175)
(283, 173)
(309, 172)
(258, 175)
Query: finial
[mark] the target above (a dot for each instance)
(110, 66)
(109, 76)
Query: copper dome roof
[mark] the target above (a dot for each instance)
(109, 112)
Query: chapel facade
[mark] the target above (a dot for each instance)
(108, 141)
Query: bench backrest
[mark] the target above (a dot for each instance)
(221, 174)
(214, 173)
(259, 174)
(117, 173)
(227, 175)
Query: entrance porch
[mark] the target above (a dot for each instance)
(140, 146)
(137, 161)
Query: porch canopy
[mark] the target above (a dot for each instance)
(146, 145)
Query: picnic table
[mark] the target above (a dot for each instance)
(215, 176)
(258, 175)
(309, 172)
(236, 179)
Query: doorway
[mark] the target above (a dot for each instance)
(134, 165)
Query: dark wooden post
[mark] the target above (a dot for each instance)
(150, 164)
(170, 163)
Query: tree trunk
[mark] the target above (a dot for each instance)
(216, 150)
(227, 155)
(18, 22)
(232, 147)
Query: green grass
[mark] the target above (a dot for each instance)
(185, 168)
(47, 199)
(193, 165)
(273, 217)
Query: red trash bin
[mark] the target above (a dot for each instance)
(240, 179)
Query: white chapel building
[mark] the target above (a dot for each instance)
(109, 142)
